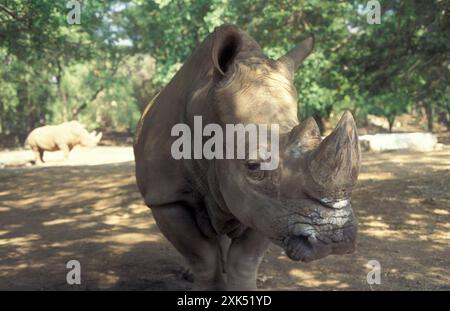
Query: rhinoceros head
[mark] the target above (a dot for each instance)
(304, 204)
(90, 139)
(83, 136)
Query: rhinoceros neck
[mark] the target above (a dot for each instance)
(160, 177)
(194, 82)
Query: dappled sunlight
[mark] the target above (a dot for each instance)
(96, 215)
(378, 176)
(416, 216)
(406, 214)
(20, 242)
(5, 271)
(3, 232)
(441, 212)
(107, 280)
(133, 238)
(442, 235)
(58, 222)
(78, 156)
(377, 228)
(403, 206)
(310, 279)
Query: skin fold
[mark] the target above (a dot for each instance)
(222, 214)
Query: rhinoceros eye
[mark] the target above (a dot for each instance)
(253, 165)
(254, 170)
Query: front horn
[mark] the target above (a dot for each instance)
(336, 162)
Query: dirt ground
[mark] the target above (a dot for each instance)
(81, 209)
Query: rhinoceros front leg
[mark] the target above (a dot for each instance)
(244, 256)
(203, 254)
(65, 149)
(38, 156)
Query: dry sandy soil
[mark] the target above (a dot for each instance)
(81, 209)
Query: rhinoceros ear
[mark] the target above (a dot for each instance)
(227, 44)
(297, 55)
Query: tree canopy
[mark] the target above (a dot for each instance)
(104, 70)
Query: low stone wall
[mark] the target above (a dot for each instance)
(399, 141)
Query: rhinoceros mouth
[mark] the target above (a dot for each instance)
(308, 230)
(299, 248)
(307, 248)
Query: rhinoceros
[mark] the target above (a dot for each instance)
(63, 137)
(222, 214)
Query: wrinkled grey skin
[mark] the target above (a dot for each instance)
(63, 137)
(221, 215)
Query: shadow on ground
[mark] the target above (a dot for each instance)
(94, 214)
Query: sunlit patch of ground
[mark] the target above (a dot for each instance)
(94, 214)
(78, 156)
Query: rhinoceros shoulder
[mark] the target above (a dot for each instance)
(161, 179)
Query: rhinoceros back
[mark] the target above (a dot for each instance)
(49, 137)
(43, 138)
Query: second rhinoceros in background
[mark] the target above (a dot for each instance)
(62, 137)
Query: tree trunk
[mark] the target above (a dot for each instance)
(429, 113)
(62, 95)
(84, 105)
(444, 115)
(2, 116)
(391, 120)
(23, 110)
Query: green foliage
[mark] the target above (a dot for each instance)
(58, 70)
(106, 69)
(404, 60)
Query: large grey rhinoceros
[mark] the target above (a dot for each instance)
(221, 214)
(63, 137)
